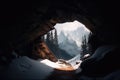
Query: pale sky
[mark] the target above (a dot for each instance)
(68, 26)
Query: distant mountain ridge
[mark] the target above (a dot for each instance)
(70, 40)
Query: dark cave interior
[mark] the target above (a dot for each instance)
(21, 24)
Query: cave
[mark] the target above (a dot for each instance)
(67, 39)
(22, 26)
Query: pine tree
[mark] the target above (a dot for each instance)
(55, 38)
(52, 42)
(89, 45)
(48, 39)
(56, 45)
(84, 47)
(51, 36)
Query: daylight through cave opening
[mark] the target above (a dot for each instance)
(68, 40)
(69, 43)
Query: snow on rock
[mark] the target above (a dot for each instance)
(58, 65)
(50, 63)
(75, 62)
(25, 68)
(71, 64)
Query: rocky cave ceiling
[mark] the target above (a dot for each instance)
(23, 22)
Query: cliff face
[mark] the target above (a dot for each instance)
(41, 50)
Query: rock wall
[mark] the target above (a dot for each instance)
(21, 23)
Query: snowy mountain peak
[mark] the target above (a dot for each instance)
(75, 35)
(70, 36)
(61, 37)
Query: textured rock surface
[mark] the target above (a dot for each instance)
(21, 23)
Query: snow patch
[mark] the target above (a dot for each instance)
(50, 63)
(75, 62)
(25, 68)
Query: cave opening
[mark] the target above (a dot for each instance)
(68, 42)
(21, 25)
(68, 39)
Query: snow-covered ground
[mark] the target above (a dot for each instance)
(25, 68)
(74, 63)
(58, 65)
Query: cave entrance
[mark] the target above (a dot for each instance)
(68, 40)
